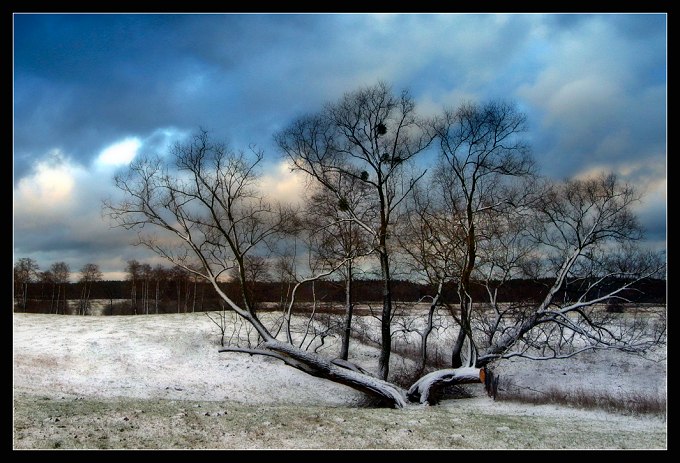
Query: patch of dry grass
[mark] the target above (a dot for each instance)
(124, 423)
(626, 403)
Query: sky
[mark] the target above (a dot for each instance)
(93, 91)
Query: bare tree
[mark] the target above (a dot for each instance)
(145, 277)
(331, 245)
(339, 239)
(46, 279)
(133, 270)
(481, 154)
(507, 253)
(61, 273)
(586, 233)
(212, 208)
(160, 276)
(25, 270)
(434, 246)
(88, 275)
(180, 276)
(372, 136)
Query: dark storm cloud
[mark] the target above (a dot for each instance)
(82, 81)
(593, 87)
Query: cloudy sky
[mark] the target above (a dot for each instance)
(92, 91)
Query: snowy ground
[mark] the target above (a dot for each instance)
(158, 381)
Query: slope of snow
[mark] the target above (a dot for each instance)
(175, 357)
(153, 356)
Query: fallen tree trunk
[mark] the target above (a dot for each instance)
(349, 374)
(423, 389)
(349, 365)
(328, 370)
(339, 372)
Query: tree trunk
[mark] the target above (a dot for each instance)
(146, 296)
(202, 297)
(133, 296)
(424, 389)
(456, 360)
(464, 290)
(56, 308)
(81, 303)
(25, 295)
(187, 294)
(425, 334)
(318, 366)
(386, 321)
(509, 337)
(193, 301)
(63, 299)
(343, 372)
(344, 349)
(87, 299)
(52, 300)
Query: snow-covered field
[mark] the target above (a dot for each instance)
(158, 381)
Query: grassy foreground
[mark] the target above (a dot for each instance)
(84, 423)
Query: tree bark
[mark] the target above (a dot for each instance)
(52, 299)
(87, 299)
(25, 295)
(425, 334)
(349, 306)
(464, 289)
(193, 301)
(386, 322)
(62, 289)
(323, 368)
(423, 389)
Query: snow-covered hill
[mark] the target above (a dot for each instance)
(174, 359)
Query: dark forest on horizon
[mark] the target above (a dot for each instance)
(180, 296)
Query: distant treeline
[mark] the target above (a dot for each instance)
(192, 296)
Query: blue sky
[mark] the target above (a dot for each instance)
(92, 91)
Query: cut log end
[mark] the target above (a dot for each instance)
(482, 375)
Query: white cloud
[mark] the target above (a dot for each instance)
(284, 185)
(59, 207)
(48, 192)
(119, 153)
